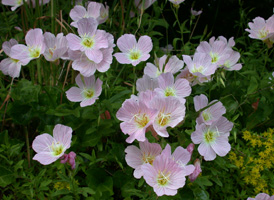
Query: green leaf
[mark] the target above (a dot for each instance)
(203, 181)
(99, 180)
(6, 177)
(85, 191)
(253, 85)
(62, 110)
(26, 92)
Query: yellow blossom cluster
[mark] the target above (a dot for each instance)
(61, 185)
(257, 161)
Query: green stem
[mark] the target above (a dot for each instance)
(27, 143)
(39, 71)
(178, 22)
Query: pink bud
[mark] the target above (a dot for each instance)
(190, 147)
(69, 158)
(197, 170)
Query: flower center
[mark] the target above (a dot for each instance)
(148, 158)
(88, 42)
(197, 69)
(88, 93)
(263, 33)
(169, 92)
(134, 55)
(34, 52)
(210, 136)
(14, 60)
(163, 178)
(19, 2)
(206, 116)
(214, 57)
(141, 120)
(56, 148)
(163, 119)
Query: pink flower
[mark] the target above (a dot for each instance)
(171, 113)
(190, 148)
(262, 196)
(197, 164)
(14, 3)
(195, 13)
(165, 176)
(87, 92)
(91, 40)
(200, 67)
(35, 47)
(181, 156)
(95, 10)
(167, 49)
(261, 29)
(180, 89)
(213, 139)
(230, 63)
(50, 149)
(133, 52)
(173, 66)
(10, 66)
(56, 47)
(217, 50)
(211, 114)
(135, 157)
(69, 158)
(136, 117)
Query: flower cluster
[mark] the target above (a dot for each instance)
(163, 170)
(212, 129)
(17, 3)
(256, 165)
(209, 56)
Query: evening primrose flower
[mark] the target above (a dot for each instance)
(87, 91)
(14, 3)
(50, 149)
(136, 117)
(176, 2)
(211, 114)
(56, 47)
(91, 40)
(10, 66)
(95, 10)
(262, 196)
(180, 89)
(213, 139)
(181, 156)
(133, 52)
(35, 47)
(171, 113)
(161, 65)
(136, 157)
(197, 164)
(164, 175)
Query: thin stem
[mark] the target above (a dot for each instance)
(27, 143)
(194, 28)
(39, 71)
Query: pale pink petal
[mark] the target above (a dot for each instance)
(74, 42)
(166, 80)
(94, 9)
(182, 88)
(87, 26)
(10, 67)
(45, 158)
(79, 81)
(74, 94)
(206, 151)
(34, 37)
(224, 126)
(98, 87)
(122, 58)
(126, 42)
(94, 55)
(221, 146)
(6, 46)
(42, 142)
(78, 12)
(145, 44)
(150, 70)
(20, 52)
(133, 156)
(62, 134)
(87, 102)
(200, 101)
